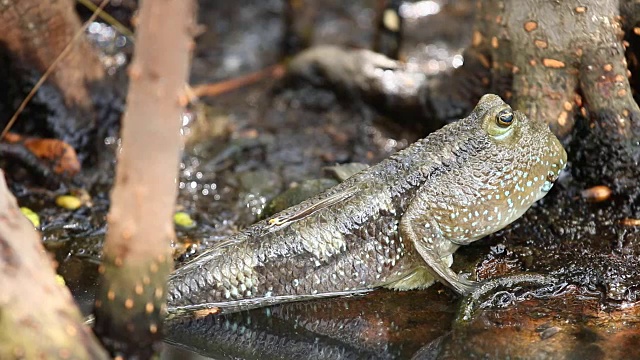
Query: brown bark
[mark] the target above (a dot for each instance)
(574, 48)
(36, 32)
(31, 328)
(130, 302)
(552, 60)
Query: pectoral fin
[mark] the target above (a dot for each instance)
(436, 251)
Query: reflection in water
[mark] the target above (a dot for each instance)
(419, 9)
(380, 325)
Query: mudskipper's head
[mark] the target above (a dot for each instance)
(507, 162)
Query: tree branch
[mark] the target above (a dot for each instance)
(130, 302)
(30, 327)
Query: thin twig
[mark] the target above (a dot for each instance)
(46, 74)
(222, 87)
(109, 19)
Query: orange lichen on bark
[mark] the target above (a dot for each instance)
(553, 63)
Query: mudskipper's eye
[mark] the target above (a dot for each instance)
(504, 118)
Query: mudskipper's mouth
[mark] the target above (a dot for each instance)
(551, 178)
(560, 162)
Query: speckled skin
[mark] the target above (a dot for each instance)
(393, 225)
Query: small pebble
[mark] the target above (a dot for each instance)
(60, 280)
(31, 215)
(183, 219)
(68, 202)
(596, 194)
(630, 222)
